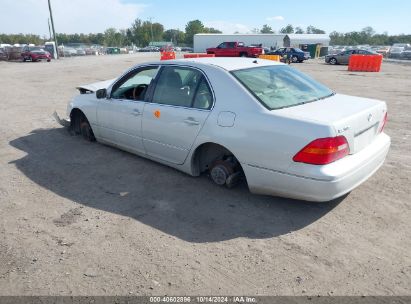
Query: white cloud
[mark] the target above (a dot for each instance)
(74, 16)
(275, 18)
(228, 27)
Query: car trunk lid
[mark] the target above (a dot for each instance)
(358, 119)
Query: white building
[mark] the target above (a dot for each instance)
(296, 40)
(204, 41)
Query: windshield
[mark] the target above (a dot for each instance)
(280, 86)
(36, 48)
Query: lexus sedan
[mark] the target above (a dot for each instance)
(238, 118)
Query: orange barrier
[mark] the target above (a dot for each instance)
(365, 63)
(198, 55)
(270, 57)
(167, 56)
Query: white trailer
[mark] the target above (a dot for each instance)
(204, 41)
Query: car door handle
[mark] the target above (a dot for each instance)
(136, 112)
(191, 121)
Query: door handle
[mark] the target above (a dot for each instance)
(191, 121)
(136, 112)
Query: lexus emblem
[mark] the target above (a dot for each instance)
(370, 117)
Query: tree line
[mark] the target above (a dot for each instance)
(140, 33)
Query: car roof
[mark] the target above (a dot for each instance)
(229, 64)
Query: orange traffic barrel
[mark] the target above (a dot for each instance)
(270, 57)
(167, 56)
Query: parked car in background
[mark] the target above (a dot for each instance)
(3, 54)
(35, 53)
(187, 49)
(167, 48)
(235, 49)
(406, 54)
(236, 118)
(382, 50)
(296, 54)
(403, 45)
(395, 52)
(65, 51)
(80, 52)
(112, 51)
(150, 49)
(344, 57)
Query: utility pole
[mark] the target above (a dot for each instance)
(48, 21)
(54, 32)
(151, 25)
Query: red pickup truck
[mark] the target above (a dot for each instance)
(235, 49)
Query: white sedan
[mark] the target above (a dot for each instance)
(284, 133)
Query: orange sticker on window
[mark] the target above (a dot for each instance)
(157, 113)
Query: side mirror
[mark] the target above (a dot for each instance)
(102, 93)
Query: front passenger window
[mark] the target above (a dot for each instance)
(134, 85)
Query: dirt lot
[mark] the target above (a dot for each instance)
(80, 218)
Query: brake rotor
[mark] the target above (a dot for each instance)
(220, 171)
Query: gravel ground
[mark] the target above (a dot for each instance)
(80, 218)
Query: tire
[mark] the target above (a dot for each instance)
(294, 59)
(82, 126)
(333, 61)
(243, 55)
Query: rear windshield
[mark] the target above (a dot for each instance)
(281, 86)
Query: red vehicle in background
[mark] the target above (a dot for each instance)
(235, 49)
(35, 53)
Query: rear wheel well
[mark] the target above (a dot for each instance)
(205, 154)
(218, 161)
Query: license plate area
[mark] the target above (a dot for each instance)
(365, 137)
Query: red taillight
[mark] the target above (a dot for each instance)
(384, 122)
(323, 151)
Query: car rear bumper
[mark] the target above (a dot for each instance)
(328, 182)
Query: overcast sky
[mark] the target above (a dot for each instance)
(92, 16)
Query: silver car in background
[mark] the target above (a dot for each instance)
(232, 118)
(344, 57)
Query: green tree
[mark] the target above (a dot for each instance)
(193, 27)
(113, 38)
(140, 32)
(211, 30)
(266, 29)
(299, 30)
(289, 29)
(176, 36)
(313, 30)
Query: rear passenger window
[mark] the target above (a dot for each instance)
(184, 87)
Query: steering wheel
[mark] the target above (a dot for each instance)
(138, 90)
